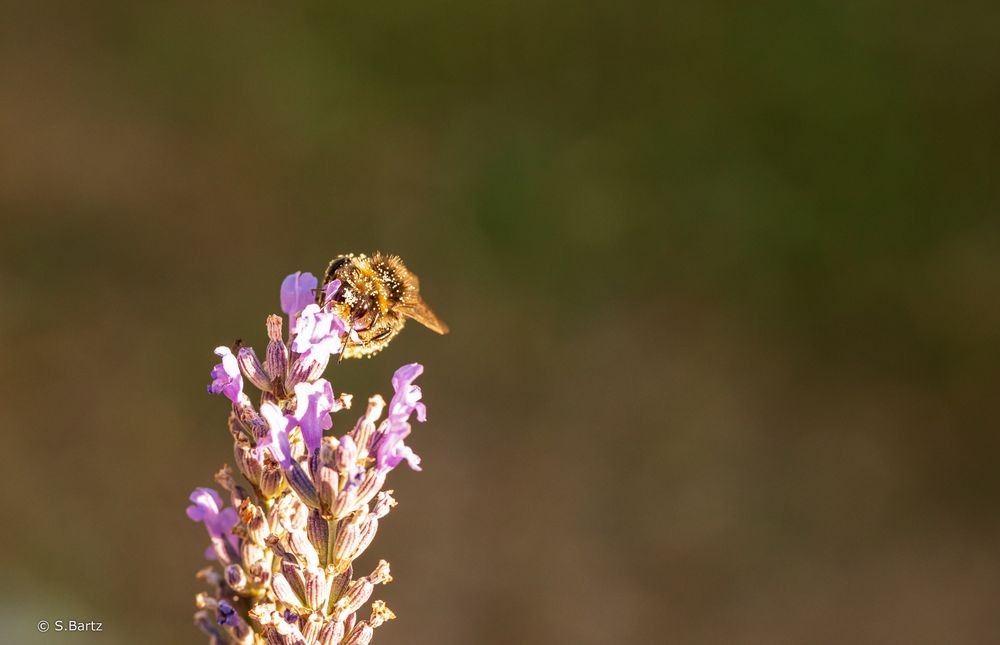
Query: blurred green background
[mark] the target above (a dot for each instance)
(723, 280)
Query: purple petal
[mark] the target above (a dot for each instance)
(312, 410)
(297, 292)
(276, 440)
(226, 376)
(206, 498)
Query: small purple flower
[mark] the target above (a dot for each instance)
(227, 615)
(406, 400)
(317, 332)
(314, 402)
(207, 508)
(276, 440)
(226, 377)
(297, 292)
(391, 450)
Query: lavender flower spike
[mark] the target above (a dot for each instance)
(312, 504)
(226, 377)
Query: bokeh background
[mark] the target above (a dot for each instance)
(723, 279)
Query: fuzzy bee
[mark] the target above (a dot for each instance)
(376, 296)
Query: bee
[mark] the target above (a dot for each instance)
(377, 295)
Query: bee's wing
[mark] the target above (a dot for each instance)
(420, 312)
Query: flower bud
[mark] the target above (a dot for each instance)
(312, 627)
(345, 543)
(299, 481)
(252, 369)
(305, 369)
(293, 574)
(276, 357)
(360, 635)
(318, 530)
(250, 464)
(366, 533)
(259, 574)
(272, 479)
(327, 483)
(283, 590)
(364, 429)
(332, 633)
(299, 544)
(225, 479)
(317, 587)
(236, 577)
(255, 521)
(349, 623)
(340, 583)
(358, 593)
(372, 485)
(344, 503)
(346, 455)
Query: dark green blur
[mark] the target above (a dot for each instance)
(723, 280)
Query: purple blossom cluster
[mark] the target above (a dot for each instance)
(311, 502)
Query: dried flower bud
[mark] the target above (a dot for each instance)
(299, 481)
(360, 635)
(380, 614)
(380, 575)
(224, 477)
(259, 574)
(345, 503)
(383, 502)
(312, 626)
(366, 533)
(272, 479)
(276, 358)
(305, 369)
(299, 544)
(250, 464)
(372, 485)
(283, 590)
(332, 633)
(255, 521)
(236, 577)
(347, 454)
(318, 530)
(340, 583)
(364, 429)
(317, 587)
(294, 575)
(252, 369)
(345, 543)
(358, 593)
(327, 483)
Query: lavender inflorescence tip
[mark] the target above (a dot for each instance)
(311, 503)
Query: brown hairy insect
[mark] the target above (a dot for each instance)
(376, 296)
